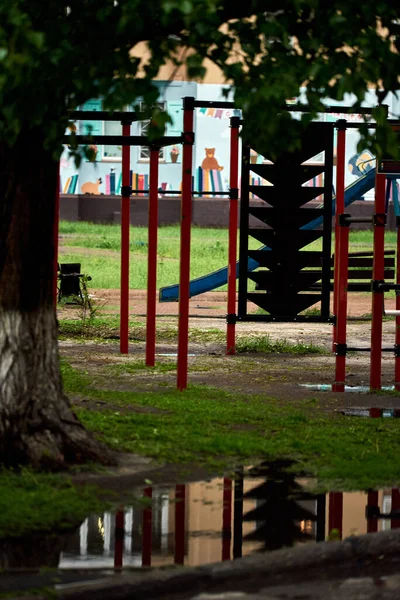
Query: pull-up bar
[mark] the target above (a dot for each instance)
(102, 115)
(128, 140)
(348, 110)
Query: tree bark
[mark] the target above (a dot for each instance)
(37, 424)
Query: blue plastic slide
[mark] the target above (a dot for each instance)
(216, 279)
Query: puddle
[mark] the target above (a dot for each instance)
(204, 522)
(222, 519)
(327, 387)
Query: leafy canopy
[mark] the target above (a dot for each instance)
(57, 54)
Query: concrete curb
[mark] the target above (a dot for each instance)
(250, 571)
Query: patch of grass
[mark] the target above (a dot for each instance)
(212, 427)
(265, 345)
(40, 502)
(106, 327)
(134, 366)
(311, 312)
(209, 252)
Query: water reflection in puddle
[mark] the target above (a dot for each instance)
(204, 522)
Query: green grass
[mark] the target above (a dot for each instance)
(209, 251)
(107, 328)
(40, 502)
(212, 427)
(264, 344)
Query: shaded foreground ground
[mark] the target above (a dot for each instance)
(277, 373)
(286, 574)
(363, 568)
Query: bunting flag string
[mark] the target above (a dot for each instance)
(219, 113)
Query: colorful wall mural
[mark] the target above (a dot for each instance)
(103, 175)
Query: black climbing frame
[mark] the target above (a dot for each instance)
(289, 278)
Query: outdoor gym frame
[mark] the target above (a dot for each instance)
(378, 285)
(187, 141)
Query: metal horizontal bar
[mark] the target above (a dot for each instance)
(296, 319)
(348, 110)
(213, 104)
(359, 219)
(368, 253)
(370, 125)
(357, 349)
(102, 115)
(203, 193)
(121, 140)
(391, 313)
(387, 287)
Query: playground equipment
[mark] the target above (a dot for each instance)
(378, 283)
(289, 279)
(216, 279)
(126, 141)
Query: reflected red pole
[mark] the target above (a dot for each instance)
(152, 260)
(180, 509)
(341, 266)
(395, 523)
(372, 500)
(119, 539)
(227, 519)
(378, 273)
(56, 225)
(186, 221)
(233, 226)
(147, 530)
(125, 227)
(336, 513)
(397, 335)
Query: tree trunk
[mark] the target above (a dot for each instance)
(37, 425)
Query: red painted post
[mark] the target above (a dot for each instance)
(395, 523)
(119, 539)
(397, 336)
(152, 260)
(180, 510)
(56, 224)
(125, 227)
(186, 221)
(378, 272)
(233, 225)
(341, 265)
(147, 530)
(336, 513)
(227, 519)
(372, 524)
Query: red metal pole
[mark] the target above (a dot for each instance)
(397, 336)
(395, 523)
(180, 509)
(186, 219)
(119, 539)
(56, 224)
(336, 513)
(372, 524)
(378, 273)
(227, 519)
(147, 530)
(341, 265)
(233, 225)
(125, 227)
(152, 260)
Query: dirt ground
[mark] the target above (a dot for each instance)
(280, 375)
